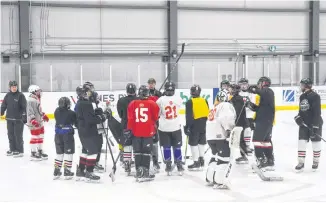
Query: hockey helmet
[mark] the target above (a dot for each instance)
(36, 90)
(234, 89)
(195, 91)
(169, 88)
(244, 84)
(264, 82)
(131, 88)
(13, 83)
(88, 91)
(79, 91)
(89, 85)
(64, 102)
(223, 96)
(225, 84)
(305, 83)
(143, 92)
(151, 81)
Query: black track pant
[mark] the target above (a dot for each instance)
(142, 149)
(15, 135)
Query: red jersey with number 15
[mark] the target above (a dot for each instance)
(142, 117)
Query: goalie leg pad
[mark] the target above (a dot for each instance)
(220, 172)
(210, 172)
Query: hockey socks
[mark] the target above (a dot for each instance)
(201, 149)
(302, 145)
(127, 153)
(90, 162)
(316, 147)
(82, 162)
(247, 136)
(167, 153)
(155, 152)
(58, 161)
(194, 152)
(68, 161)
(177, 154)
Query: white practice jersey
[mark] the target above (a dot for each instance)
(220, 119)
(252, 97)
(169, 113)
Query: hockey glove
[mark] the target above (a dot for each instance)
(108, 113)
(98, 111)
(102, 117)
(186, 130)
(252, 89)
(35, 123)
(24, 118)
(314, 132)
(299, 120)
(127, 134)
(228, 133)
(251, 106)
(45, 118)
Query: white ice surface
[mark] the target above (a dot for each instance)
(24, 181)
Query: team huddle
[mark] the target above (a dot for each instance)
(149, 121)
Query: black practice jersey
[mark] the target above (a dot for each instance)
(238, 104)
(122, 108)
(265, 110)
(64, 117)
(15, 105)
(155, 92)
(85, 114)
(309, 108)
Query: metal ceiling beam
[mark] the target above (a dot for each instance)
(275, 10)
(24, 74)
(314, 40)
(172, 22)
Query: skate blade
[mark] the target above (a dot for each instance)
(180, 173)
(99, 171)
(80, 178)
(209, 184)
(298, 171)
(9, 154)
(68, 177)
(220, 187)
(242, 162)
(169, 173)
(56, 177)
(314, 170)
(87, 180)
(44, 158)
(33, 159)
(18, 156)
(142, 180)
(269, 168)
(195, 169)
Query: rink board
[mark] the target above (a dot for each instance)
(286, 98)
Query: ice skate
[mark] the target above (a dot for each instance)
(168, 168)
(68, 174)
(194, 167)
(315, 166)
(212, 160)
(299, 168)
(127, 167)
(99, 168)
(9, 153)
(220, 186)
(249, 151)
(42, 155)
(156, 166)
(241, 160)
(146, 176)
(17, 154)
(35, 157)
(201, 162)
(80, 174)
(57, 173)
(139, 173)
(270, 165)
(180, 168)
(91, 177)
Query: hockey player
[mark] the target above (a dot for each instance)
(310, 124)
(265, 113)
(87, 119)
(122, 108)
(241, 120)
(64, 140)
(35, 119)
(142, 118)
(14, 103)
(169, 129)
(244, 84)
(197, 110)
(154, 95)
(224, 118)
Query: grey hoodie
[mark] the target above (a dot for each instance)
(34, 111)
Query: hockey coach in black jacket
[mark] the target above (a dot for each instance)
(15, 105)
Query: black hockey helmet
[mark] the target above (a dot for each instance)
(244, 84)
(143, 92)
(88, 85)
(243, 80)
(195, 91)
(64, 102)
(264, 81)
(131, 88)
(225, 84)
(306, 83)
(235, 89)
(79, 91)
(169, 88)
(13, 83)
(151, 81)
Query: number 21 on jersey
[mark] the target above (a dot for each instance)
(171, 112)
(141, 115)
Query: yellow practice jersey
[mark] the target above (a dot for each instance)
(200, 108)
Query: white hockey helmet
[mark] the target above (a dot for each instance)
(223, 96)
(34, 89)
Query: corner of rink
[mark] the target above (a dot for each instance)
(26, 181)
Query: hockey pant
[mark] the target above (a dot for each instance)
(168, 140)
(37, 137)
(155, 148)
(262, 140)
(197, 139)
(100, 145)
(304, 137)
(15, 135)
(217, 169)
(65, 148)
(90, 149)
(142, 147)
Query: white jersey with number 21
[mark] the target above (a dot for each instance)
(169, 113)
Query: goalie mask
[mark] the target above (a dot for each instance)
(223, 96)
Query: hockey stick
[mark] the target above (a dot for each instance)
(305, 125)
(185, 156)
(174, 65)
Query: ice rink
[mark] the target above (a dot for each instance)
(26, 181)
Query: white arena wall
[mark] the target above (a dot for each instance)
(286, 98)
